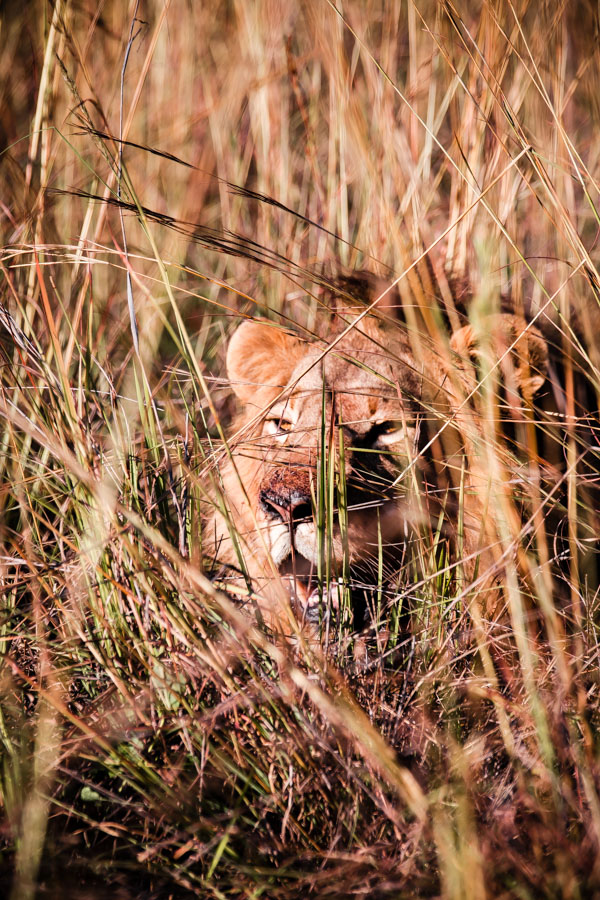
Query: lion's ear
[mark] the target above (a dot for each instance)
(520, 349)
(260, 360)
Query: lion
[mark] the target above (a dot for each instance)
(350, 443)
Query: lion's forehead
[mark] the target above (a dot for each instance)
(355, 407)
(366, 364)
(365, 387)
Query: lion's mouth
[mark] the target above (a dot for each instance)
(319, 595)
(314, 598)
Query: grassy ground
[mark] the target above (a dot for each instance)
(153, 744)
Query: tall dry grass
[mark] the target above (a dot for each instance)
(168, 168)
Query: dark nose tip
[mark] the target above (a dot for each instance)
(292, 506)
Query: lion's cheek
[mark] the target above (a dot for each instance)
(367, 534)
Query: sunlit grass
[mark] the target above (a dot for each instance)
(157, 739)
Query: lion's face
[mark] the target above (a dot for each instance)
(327, 466)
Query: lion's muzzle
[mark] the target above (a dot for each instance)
(285, 494)
(285, 499)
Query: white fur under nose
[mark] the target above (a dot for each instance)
(305, 541)
(280, 543)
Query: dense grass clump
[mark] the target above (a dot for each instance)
(167, 170)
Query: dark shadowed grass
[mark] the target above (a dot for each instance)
(156, 740)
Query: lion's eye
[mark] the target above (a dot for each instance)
(386, 434)
(278, 426)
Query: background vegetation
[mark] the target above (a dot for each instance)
(168, 167)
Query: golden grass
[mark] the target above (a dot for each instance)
(169, 168)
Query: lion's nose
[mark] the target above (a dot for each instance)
(285, 493)
(294, 506)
